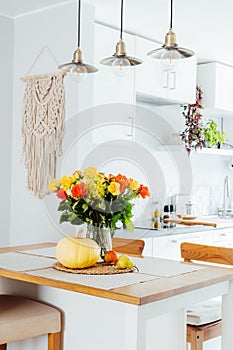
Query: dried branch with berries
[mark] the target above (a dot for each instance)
(192, 136)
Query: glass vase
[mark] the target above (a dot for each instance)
(102, 236)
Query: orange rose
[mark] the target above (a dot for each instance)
(144, 192)
(62, 194)
(119, 177)
(124, 183)
(111, 177)
(78, 190)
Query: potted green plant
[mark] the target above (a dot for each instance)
(212, 135)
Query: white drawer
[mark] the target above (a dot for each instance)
(169, 246)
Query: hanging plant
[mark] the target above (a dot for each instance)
(192, 136)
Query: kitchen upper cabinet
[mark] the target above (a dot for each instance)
(108, 87)
(216, 82)
(155, 79)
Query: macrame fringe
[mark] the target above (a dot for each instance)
(43, 129)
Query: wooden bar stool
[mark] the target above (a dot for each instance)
(128, 246)
(205, 317)
(22, 318)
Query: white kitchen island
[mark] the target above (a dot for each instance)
(142, 310)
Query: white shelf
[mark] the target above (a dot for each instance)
(216, 151)
(204, 150)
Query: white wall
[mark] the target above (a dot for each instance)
(6, 98)
(55, 28)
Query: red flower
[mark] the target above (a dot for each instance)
(62, 194)
(144, 191)
(79, 190)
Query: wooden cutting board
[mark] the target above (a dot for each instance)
(190, 222)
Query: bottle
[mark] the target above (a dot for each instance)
(190, 210)
(172, 215)
(166, 215)
(156, 216)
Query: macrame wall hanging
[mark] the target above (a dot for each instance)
(42, 128)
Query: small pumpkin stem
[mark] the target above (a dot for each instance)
(79, 233)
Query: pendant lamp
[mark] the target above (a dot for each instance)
(170, 50)
(77, 67)
(120, 61)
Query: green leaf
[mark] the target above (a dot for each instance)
(74, 219)
(85, 207)
(63, 206)
(64, 217)
(129, 225)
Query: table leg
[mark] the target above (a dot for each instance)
(136, 328)
(146, 330)
(227, 319)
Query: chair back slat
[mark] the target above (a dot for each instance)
(128, 246)
(201, 252)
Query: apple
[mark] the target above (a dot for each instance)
(111, 257)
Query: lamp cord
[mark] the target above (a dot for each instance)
(79, 19)
(121, 18)
(171, 14)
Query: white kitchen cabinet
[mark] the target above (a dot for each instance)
(169, 246)
(112, 122)
(216, 82)
(148, 248)
(223, 237)
(156, 80)
(108, 87)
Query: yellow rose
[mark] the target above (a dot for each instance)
(90, 173)
(53, 185)
(76, 175)
(66, 182)
(114, 188)
(134, 185)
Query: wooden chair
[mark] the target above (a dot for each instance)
(197, 334)
(128, 246)
(22, 318)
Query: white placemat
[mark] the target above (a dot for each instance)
(163, 267)
(97, 281)
(22, 262)
(49, 252)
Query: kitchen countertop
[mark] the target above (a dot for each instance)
(145, 231)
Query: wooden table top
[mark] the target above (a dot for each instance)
(137, 293)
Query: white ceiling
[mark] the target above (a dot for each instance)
(205, 26)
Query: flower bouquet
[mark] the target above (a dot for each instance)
(96, 199)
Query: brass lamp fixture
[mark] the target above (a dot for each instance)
(77, 67)
(120, 61)
(170, 50)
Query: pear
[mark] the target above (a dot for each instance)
(124, 262)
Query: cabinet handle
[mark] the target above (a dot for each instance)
(165, 78)
(223, 234)
(172, 84)
(184, 240)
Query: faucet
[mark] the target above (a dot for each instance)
(226, 195)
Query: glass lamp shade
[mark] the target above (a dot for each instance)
(78, 72)
(132, 60)
(78, 67)
(171, 53)
(121, 66)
